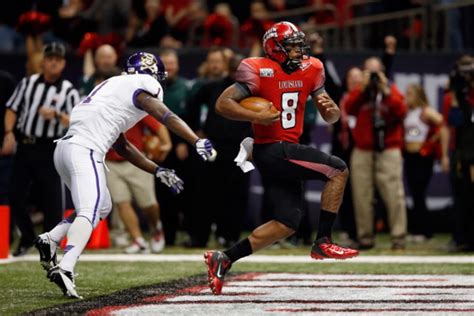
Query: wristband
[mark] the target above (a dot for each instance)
(165, 116)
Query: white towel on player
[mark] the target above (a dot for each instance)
(246, 147)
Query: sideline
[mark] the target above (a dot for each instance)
(258, 259)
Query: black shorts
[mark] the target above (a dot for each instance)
(283, 167)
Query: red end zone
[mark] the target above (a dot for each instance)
(283, 293)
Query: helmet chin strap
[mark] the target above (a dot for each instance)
(291, 65)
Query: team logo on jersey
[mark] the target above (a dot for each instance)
(266, 72)
(290, 84)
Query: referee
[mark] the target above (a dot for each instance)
(37, 114)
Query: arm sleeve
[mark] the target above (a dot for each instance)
(248, 76)
(319, 77)
(15, 102)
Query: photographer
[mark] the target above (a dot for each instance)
(377, 159)
(458, 109)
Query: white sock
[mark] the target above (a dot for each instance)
(59, 231)
(77, 238)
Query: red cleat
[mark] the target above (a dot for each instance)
(324, 248)
(217, 266)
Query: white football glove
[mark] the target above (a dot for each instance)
(169, 178)
(205, 150)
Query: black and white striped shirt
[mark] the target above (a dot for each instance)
(31, 94)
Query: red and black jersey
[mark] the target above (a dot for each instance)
(288, 92)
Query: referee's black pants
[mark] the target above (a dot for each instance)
(33, 168)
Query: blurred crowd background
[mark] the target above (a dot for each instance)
(423, 48)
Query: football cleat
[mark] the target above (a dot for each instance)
(324, 248)
(157, 242)
(64, 280)
(47, 250)
(217, 266)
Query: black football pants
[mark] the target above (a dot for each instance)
(34, 174)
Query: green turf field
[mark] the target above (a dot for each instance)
(24, 287)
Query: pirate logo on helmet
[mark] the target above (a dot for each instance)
(148, 63)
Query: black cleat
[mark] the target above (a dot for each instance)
(47, 251)
(64, 280)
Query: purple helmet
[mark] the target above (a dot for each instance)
(146, 63)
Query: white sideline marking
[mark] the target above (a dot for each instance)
(258, 259)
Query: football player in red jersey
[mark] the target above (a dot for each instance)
(286, 77)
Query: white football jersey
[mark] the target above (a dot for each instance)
(110, 109)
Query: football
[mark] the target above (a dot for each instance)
(256, 104)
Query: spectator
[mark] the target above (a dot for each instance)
(458, 109)
(149, 31)
(69, 24)
(192, 29)
(43, 102)
(222, 200)
(105, 59)
(10, 39)
(342, 146)
(214, 68)
(254, 27)
(127, 182)
(220, 27)
(341, 138)
(34, 53)
(423, 132)
(110, 16)
(376, 159)
(175, 206)
(180, 16)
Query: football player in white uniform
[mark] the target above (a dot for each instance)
(97, 123)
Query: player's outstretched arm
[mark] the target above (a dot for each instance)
(228, 106)
(174, 123)
(162, 113)
(128, 151)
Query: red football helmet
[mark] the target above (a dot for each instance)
(279, 36)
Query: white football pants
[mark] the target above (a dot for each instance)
(83, 171)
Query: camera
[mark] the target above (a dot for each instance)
(373, 85)
(374, 78)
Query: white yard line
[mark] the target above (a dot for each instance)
(258, 259)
